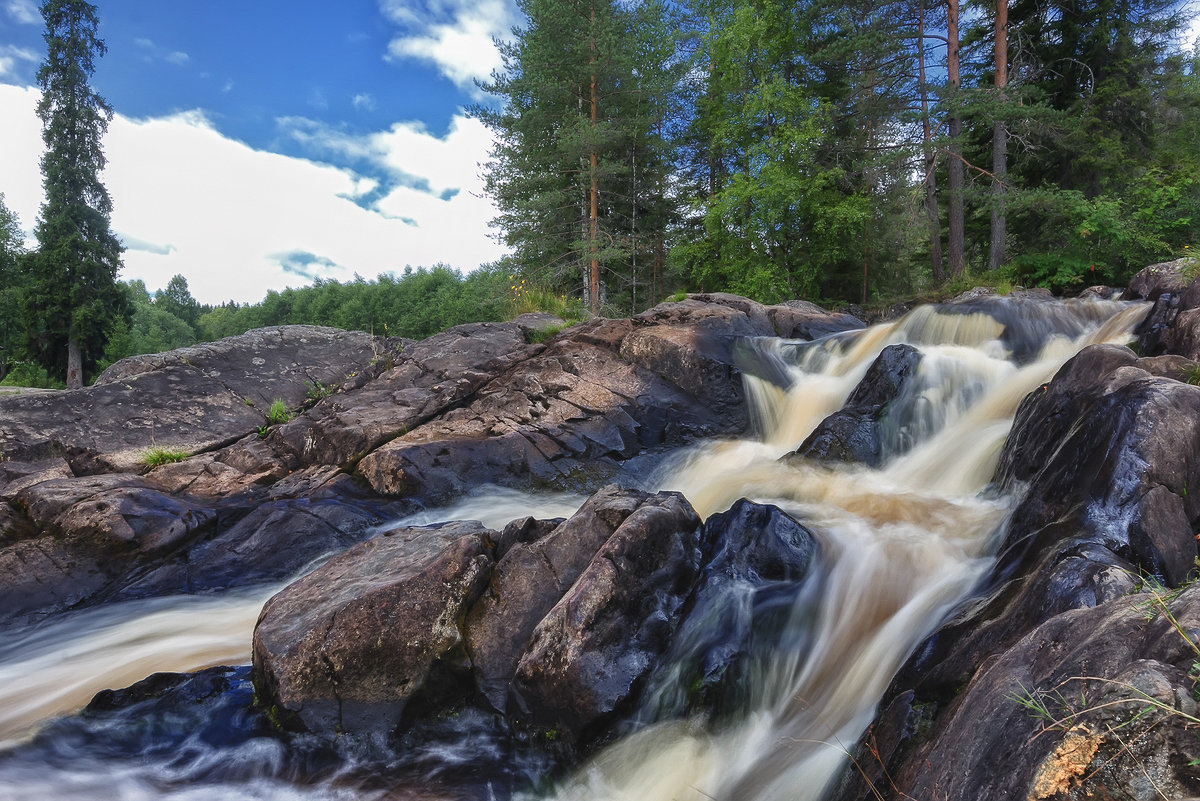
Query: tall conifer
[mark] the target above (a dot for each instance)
(72, 299)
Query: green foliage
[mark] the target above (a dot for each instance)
(31, 374)
(584, 94)
(71, 299)
(537, 335)
(526, 297)
(177, 301)
(416, 304)
(316, 393)
(156, 455)
(278, 412)
(12, 253)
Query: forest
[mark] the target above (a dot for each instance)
(836, 152)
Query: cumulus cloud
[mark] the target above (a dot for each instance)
(456, 36)
(237, 222)
(24, 12)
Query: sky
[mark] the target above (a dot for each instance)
(264, 144)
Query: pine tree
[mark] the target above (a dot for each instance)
(72, 299)
(575, 158)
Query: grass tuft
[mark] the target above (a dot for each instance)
(157, 455)
(278, 413)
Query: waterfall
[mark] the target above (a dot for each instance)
(900, 547)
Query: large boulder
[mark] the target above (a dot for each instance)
(593, 650)
(350, 645)
(558, 634)
(1093, 703)
(757, 560)
(596, 395)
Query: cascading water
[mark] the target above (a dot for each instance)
(899, 547)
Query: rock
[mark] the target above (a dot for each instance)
(1158, 279)
(273, 542)
(798, 319)
(1106, 446)
(757, 560)
(1101, 459)
(1113, 681)
(529, 580)
(192, 399)
(558, 634)
(854, 433)
(118, 514)
(591, 652)
(569, 414)
(426, 378)
(349, 646)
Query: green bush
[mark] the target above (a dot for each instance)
(28, 374)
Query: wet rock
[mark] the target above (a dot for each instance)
(352, 644)
(557, 635)
(757, 560)
(1102, 460)
(1106, 447)
(854, 433)
(529, 580)
(591, 652)
(1113, 681)
(118, 513)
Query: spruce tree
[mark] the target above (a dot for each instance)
(72, 300)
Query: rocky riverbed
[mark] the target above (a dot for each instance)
(1067, 671)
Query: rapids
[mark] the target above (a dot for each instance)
(900, 548)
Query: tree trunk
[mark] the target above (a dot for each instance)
(931, 195)
(957, 255)
(999, 141)
(74, 365)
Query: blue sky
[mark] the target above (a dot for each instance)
(261, 144)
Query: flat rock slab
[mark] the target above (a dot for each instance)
(192, 399)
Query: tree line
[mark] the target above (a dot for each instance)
(842, 150)
(414, 304)
(834, 151)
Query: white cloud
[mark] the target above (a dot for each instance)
(11, 56)
(363, 102)
(24, 12)
(153, 52)
(456, 36)
(237, 222)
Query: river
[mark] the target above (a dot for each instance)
(901, 547)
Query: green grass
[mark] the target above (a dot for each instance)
(537, 335)
(278, 413)
(157, 455)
